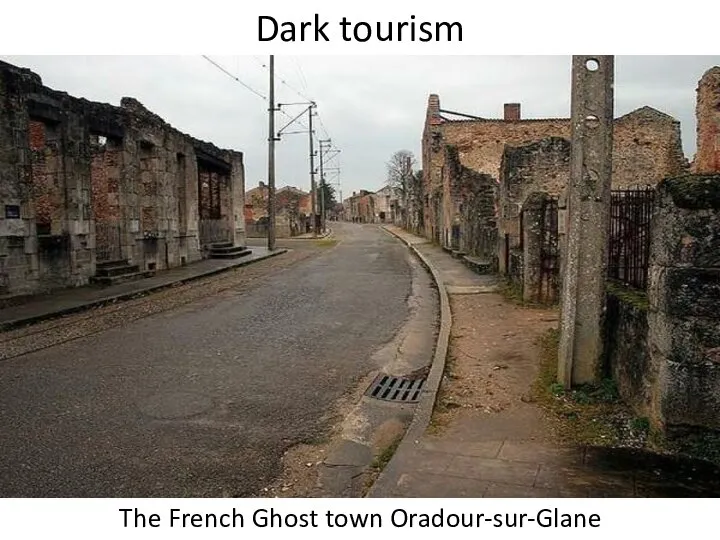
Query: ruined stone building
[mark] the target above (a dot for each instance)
(293, 211)
(478, 171)
(360, 207)
(94, 190)
(707, 158)
(495, 189)
(388, 205)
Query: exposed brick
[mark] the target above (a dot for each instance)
(707, 158)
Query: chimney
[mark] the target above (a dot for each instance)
(433, 104)
(512, 112)
(261, 184)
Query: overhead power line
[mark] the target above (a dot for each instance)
(234, 77)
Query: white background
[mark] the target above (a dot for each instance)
(231, 26)
(86, 518)
(215, 27)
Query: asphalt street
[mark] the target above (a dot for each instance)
(204, 399)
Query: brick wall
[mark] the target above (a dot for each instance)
(707, 158)
(71, 165)
(647, 148)
(543, 166)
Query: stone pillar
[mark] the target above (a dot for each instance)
(684, 296)
(533, 217)
(237, 216)
(583, 295)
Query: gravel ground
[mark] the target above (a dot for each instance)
(39, 336)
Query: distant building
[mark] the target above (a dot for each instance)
(293, 208)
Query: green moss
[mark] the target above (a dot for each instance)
(582, 415)
(384, 457)
(628, 295)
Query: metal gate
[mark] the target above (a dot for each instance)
(549, 252)
(108, 242)
(631, 213)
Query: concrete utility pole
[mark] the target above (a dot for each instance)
(588, 199)
(321, 146)
(271, 158)
(313, 189)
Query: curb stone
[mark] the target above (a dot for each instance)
(9, 325)
(423, 412)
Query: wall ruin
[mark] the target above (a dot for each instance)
(707, 110)
(647, 148)
(84, 182)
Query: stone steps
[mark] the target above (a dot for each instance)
(121, 278)
(116, 269)
(226, 250)
(478, 265)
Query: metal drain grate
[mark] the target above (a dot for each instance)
(389, 388)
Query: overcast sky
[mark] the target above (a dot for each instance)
(370, 106)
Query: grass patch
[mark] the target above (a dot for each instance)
(594, 415)
(384, 457)
(585, 415)
(326, 242)
(704, 445)
(512, 292)
(443, 406)
(628, 295)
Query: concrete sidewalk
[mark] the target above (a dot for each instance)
(495, 442)
(68, 301)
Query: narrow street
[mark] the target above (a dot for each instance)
(203, 398)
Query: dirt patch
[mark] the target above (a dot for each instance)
(299, 477)
(492, 358)
(595, 416)
(589, 415)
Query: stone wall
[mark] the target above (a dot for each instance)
(647, 147)
(293, 209)
(707, 158)
(543, 166)
(472, 195)
(684, 295)
(540, 266)
(83, 182)
(626, 348)
(664, 348)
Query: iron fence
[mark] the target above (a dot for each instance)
(631, 212)
(549, 252)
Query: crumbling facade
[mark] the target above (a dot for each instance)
(293, 211)
(360, 207)
(647, 148)
(707, 158)
(84, 185)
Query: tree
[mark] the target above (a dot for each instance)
(329, 195)
(399, 171)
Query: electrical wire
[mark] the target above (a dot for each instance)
(234, 77)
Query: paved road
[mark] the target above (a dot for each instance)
(202, 400)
